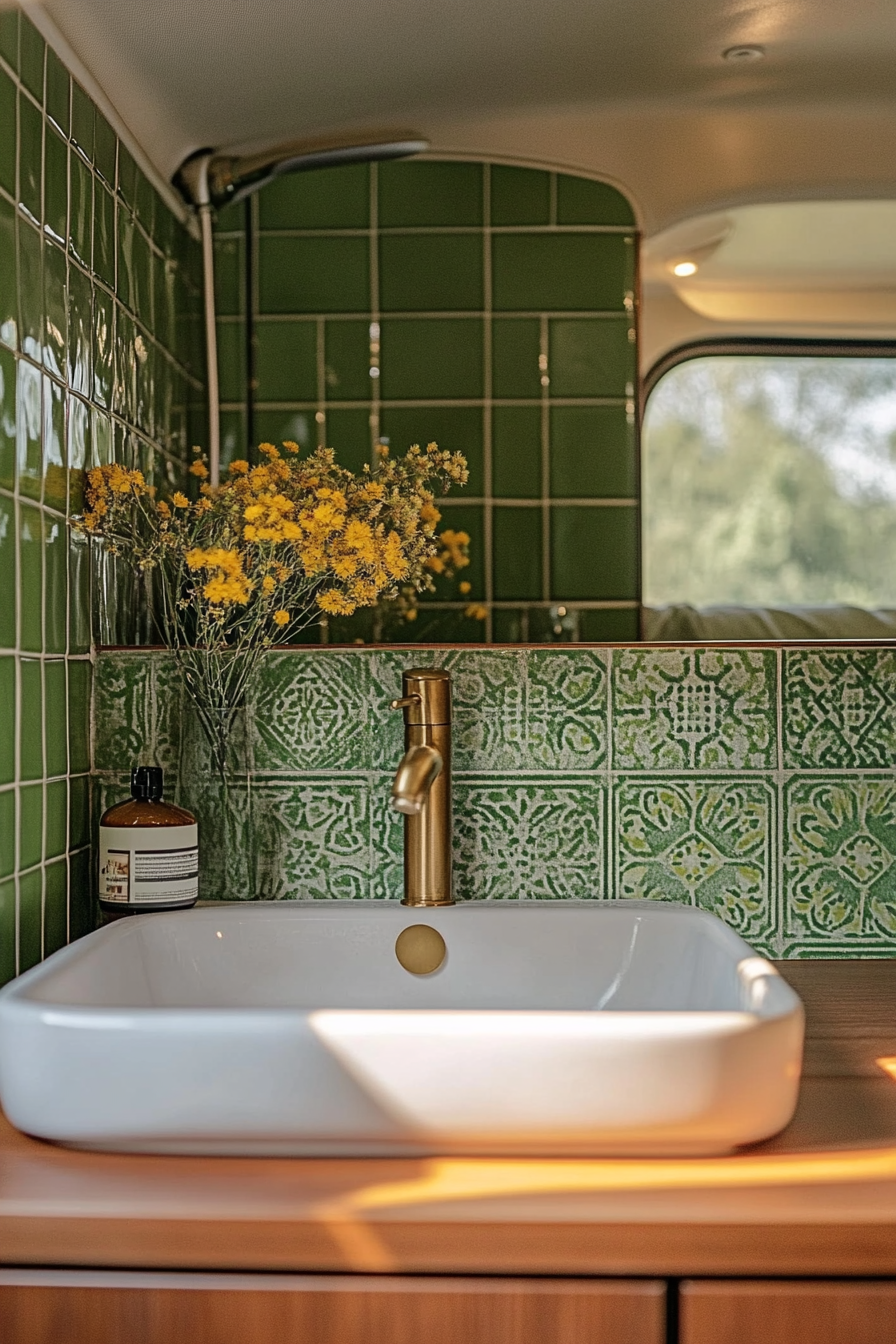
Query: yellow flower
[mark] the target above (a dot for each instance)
(163, 509)
(463, 588)
(476, 613)
(238, 468)
(198, 468)
(269, 450)
(411, 614)
(291, 446)
(268, 584)
(281, 617)
(180, 501)
(430, 514)
(336, 603)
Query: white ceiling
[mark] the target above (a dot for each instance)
(634, 90)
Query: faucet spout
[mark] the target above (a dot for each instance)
(417, 771)
(422, 786)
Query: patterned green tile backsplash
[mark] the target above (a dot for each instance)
(491, 308)
(100, 355)
(756, 783)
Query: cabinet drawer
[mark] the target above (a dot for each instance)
(84, 1307)
(831, 1311)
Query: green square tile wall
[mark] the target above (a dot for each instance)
(100, 353)
(489, 307)
(756, 783)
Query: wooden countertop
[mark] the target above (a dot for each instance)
(818, 1199)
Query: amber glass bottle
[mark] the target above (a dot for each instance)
(149, 850)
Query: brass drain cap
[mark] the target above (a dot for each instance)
(420, 949)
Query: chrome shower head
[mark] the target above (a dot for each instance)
(206, 178)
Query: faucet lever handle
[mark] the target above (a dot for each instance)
(404, 701)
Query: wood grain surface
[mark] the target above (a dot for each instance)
(205, 1309)
(818, 1199)
(787, 1313)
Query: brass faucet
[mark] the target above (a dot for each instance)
(422, 786)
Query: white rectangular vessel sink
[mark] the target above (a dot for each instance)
(566, 1028)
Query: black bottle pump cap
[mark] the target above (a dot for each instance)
(146, 783)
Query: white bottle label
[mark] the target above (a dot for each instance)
(149, 865)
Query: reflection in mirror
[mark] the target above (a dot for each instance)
(489, 307)
(769, 498)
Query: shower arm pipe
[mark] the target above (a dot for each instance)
(205, 212)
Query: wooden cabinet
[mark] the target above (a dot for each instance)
(787, 1312)
(84, 1307)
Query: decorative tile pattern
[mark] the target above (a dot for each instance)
(840, 858)
(535, 787)
(702, 841)
(538, 840)
(839, 708)
(697, 709)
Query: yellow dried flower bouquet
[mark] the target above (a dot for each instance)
(271, 549)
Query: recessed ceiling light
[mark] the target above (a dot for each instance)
(684, 268)
(743, 54)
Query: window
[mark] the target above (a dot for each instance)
(769, 479)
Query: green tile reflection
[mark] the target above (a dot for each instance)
(82, 122)
(31, 290)
(9, 277)
(56, 585)
(31, 136)
(58, 93)
(516, 452)
(594, 553)
(105, 145)
(104, 234)
(55, 309)
(347, 360)
(286, 361)
(29, 427)
(30, 921)
(329, 198)
(8, 583)
(518, 550)
(56, 819)
(80, 240)
(282, 425)
(78, 594)
(7, 889)
(55, 907)
(232, 360)
(9, 37)
(30, 578)
(431, 273)
(592, 452)
(31, 721)
(429, 194)
(7, 832)
(559, 272)
(435, 357)
(32, 49)
(7, 419)
(455, 428)
(7, 721)
(56, 187)
(79, 810)
(349, 433)
(583, 201)
(80, 331)
(592, 358)
(7, 140)
(230, 282)
(313, 275)
(103, 347)
(78, 716)
(54, 446)
(614, 626)
(516, 348)
(55, 717)
(520, 195)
